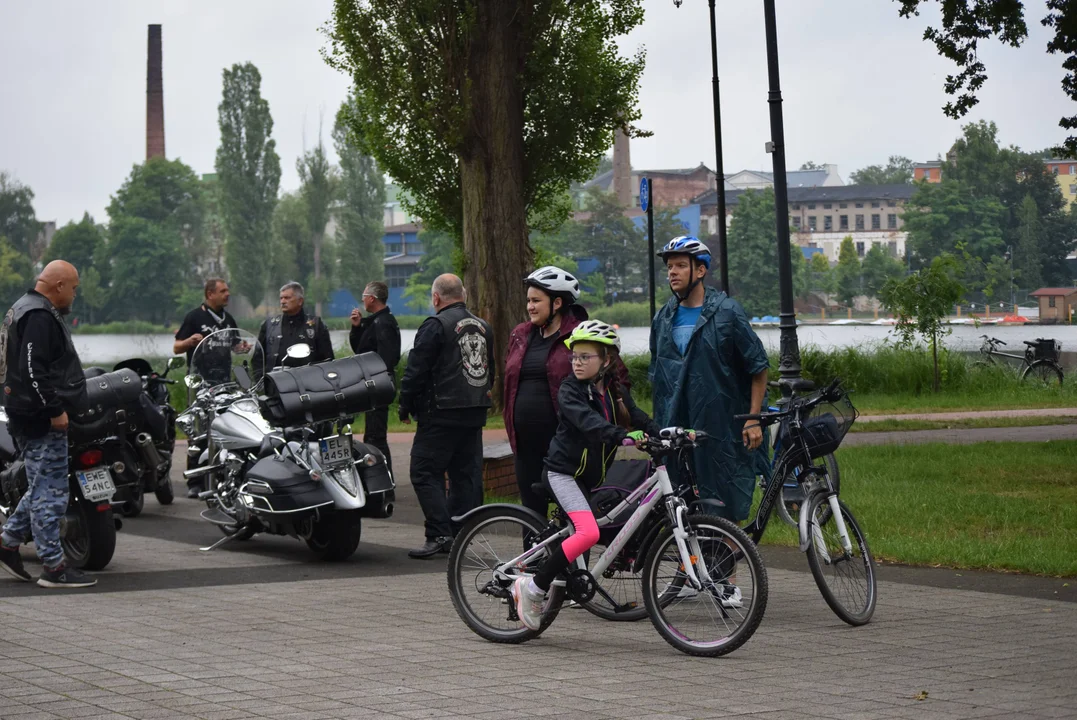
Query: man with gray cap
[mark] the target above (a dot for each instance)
(446, 386)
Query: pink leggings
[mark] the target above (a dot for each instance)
(571, 499)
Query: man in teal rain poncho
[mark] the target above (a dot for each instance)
(707, 365)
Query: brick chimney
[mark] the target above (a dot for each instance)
(622, 169)
(155, 96)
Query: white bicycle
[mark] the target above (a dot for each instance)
(704, 584)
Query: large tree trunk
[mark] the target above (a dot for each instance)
(496, 248)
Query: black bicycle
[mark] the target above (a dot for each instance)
(1040, 361)
(812, 427)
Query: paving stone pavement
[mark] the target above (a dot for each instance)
(260, 630)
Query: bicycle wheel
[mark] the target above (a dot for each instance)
(724, 614)
(483, 602)
(789, 504)
(1047, 372)
(845, 579)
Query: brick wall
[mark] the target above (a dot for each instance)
(499, 472)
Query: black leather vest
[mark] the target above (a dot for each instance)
(301, 332)
(462, 376)
(64, 375)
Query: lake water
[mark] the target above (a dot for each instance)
(108, 349)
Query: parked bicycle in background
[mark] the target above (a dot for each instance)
(1040, 361)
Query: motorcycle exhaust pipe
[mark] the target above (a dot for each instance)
(148, 451)
(199, 472)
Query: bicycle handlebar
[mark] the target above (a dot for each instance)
(830, 392)
(994, 341)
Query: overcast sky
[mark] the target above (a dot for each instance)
(859, 85)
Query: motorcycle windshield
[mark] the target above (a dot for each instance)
(221, 353)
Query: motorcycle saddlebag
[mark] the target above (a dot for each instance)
(376, 478)
(13, 484)
(326, 391)
(277, 485)
(112, 406)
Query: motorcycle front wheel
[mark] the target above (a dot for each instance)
(336, 535)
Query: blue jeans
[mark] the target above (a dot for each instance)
(45, 503)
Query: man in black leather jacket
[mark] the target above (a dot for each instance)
(294, 326)
(43, 381)
(446, 385)
(378, 333)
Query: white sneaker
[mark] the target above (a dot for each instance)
(728, 595)
(687, 591)
(529, 605)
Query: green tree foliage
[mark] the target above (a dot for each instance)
(154, 218)
(922, 302)
(980, 208)
(878, 267)
(847, 273)
(753, 255)
(95, 295)
(485, 111)
(293, 254)
(18, 221)
(248, 170)
(811, 165)
(966, 22)
(821, 277)
(16, 273)
(362, 193)
(897, 171)
(1027, 256)
(319, 182)
(441, 255)
(78, 243)
(942, 217)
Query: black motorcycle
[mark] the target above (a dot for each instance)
(139, 454)
(88, 529)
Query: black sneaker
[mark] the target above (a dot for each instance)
(65, 577)
(11, 563)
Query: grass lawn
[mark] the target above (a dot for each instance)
(999, 506)
(1018, 396)
(968, 423)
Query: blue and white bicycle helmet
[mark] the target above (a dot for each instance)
(687, 245)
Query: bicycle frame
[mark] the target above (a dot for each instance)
(1012, 356)
(758, 525)
(657, 487)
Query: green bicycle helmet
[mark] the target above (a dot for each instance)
(594, 331)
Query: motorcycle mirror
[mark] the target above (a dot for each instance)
(175, 363)
(299, 351)
(243, 379)
(192, 381)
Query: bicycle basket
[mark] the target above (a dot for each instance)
(1046, 349)
(823, 429)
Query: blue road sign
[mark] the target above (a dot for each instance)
(644, 193)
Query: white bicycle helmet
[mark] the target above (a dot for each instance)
(556, 282)
(594, 331)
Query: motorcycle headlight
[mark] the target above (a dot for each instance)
(347, 479)
(185, 422)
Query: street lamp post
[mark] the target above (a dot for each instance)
(789, 349)
(719, 170)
